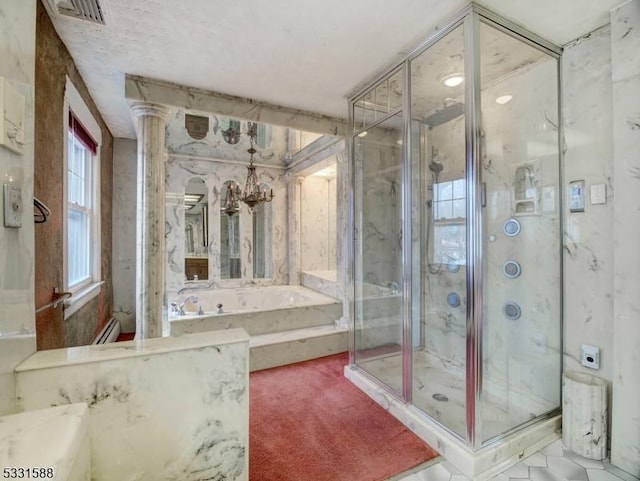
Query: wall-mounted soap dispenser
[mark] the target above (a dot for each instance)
(526, 188)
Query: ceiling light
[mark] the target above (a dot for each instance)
(362, 134)
(453, 80)
(503, 99)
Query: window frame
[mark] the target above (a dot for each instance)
(83, 292)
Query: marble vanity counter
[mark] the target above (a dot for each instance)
(55, 438)
(127, 349)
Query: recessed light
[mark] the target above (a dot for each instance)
(362, 134)
(503, 99)
(453, 80)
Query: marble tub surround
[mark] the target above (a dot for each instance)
(259, 310)
(325, 282)
(135, 391)
(55, 438)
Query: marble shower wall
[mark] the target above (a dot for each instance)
(625, 44)
(522, 357)
(318, 224)
(17, 321)
(509, 345)
(163, 408)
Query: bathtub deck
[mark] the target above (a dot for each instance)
(296, 345)
(281, 331)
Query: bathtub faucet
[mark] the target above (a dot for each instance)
(395, 288)
(187, 299)
(219, 311)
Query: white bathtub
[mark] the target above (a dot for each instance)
(258, 310)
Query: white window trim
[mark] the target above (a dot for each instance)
(86, 291)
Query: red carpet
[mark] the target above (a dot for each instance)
(309, 423)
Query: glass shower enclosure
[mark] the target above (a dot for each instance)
(456, 192)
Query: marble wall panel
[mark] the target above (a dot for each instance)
(271, 144)
(17, 322)
(124, 235)
(315, 230)
(625, 44)
(139, 411)
(588, 236)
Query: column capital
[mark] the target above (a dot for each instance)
(290, 178)
(139, 109)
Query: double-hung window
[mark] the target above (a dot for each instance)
(82, 202)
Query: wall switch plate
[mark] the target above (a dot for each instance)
(576, 196)
(598, 194)
(590, 356)
(12, 206)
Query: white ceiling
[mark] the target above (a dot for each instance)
(305, 54)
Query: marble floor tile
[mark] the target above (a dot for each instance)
(519, 471)
(554, 449)
(538, 460)
(567, 469)
(434, 473)
(582, 461)
(544, 474)
(601, 475)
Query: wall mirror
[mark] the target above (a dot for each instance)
(230, 265)
(196, 235)
(262, 228)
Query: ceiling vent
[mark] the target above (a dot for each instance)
(89, 10)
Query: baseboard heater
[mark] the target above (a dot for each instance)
(109, 333)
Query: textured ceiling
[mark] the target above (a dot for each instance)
(305, 54)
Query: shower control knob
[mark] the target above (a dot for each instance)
(511, 228)
(453, 299)
(512, 311)
(511, 269)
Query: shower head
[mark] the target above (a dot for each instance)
(449, 112)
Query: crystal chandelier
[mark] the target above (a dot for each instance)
(252, 195)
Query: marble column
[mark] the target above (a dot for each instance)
(294, 184)
(625, 72)
(151, 121)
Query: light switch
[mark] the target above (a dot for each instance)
(12, 206)
(598, 194)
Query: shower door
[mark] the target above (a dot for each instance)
(378, 218)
